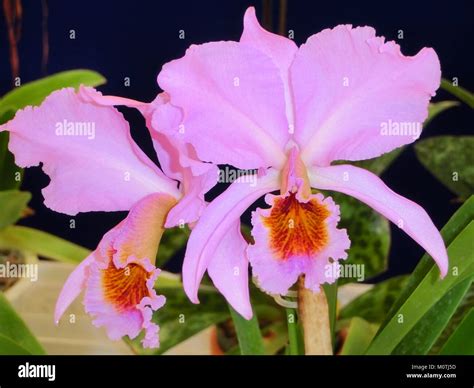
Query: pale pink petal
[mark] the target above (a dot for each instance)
(140, 233)
(72, 287)
(177, 159)
(351, 89)
(370, 189)
(280, 49)
(228, 270)
(233, 99)
(276, 275)
(98, 169)
(215, 222)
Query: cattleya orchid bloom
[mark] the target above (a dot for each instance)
(263, 103)
(104, 170)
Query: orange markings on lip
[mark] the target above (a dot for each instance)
(125, 287)
(297, 228)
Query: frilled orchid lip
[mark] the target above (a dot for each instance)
(297, 235)
(125, 288)
(119, 278)
(122, 299)
(296, 228)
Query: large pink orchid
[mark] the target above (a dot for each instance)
(263, 103)
(85, 146)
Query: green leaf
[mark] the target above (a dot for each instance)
(460, 219)
(10, 348)
(33, 93)
(12, 205)
(461, 341)
(451, 160)
(10, 174)
(172, 241)
(424, 334)
(15, 335)
(359, 335)
(180, 319)
(370, 237)
(459, 92)
(42, 244)
(374, 304)
(466, 305)
(248, 334)
(429, 291)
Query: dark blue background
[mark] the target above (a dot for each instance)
(135, 38)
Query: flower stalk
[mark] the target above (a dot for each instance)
(314, 316)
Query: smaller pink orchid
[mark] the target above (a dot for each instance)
(104, 170)
(263, 103)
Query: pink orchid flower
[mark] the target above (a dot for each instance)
(263, 103)
(85, 146)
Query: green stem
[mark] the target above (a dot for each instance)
(293, 340)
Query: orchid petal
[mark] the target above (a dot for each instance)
(370, 189)
(98, 169)
(72, 287)
(215, 223)
(228, 270)
(178, 160)
(279, 48)
(352, 91)
(233, 99)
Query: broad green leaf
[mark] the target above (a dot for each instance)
(42, 244)
(12, 206)
(464, 308)
(460, 219)
(248, 334)
(172, 241)
(374, 304)
(370, 238)
(10, 174)
(33, 93)
(180, 319)
(359, 335)
(451, 160)
(459, 92)
(430, 290)
(461, 341)
(422, 337)
(8, 347)
(13, 328)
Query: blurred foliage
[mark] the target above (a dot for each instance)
(451, 160)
